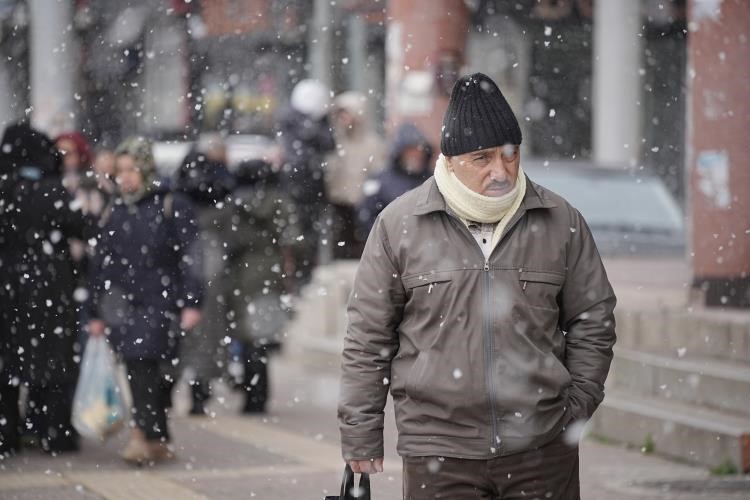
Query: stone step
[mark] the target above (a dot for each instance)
(700, 333)
(678, 430)
(719, 384)
(317, 331)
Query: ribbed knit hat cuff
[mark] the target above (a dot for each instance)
(478, 117)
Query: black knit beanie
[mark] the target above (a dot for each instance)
(478, 117)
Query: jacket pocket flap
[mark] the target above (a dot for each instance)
(416, 280)
(550, 277)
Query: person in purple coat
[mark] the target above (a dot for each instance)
(146, 286)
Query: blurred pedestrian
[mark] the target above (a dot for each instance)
(76, 154)
(306, 136)
(260, 233)
(104, 162)
(91, 194)
(205, 179)
(459, 305)
(104, 169)
(76, 167)
(358, 155)
(145, 288)
(408, 167)
(37, 305)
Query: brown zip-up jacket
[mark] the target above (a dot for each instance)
(483, 358)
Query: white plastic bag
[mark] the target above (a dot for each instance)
(100, 403)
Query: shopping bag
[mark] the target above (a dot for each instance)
(100, 401)
(348, 490)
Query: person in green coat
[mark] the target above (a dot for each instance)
(261, 238)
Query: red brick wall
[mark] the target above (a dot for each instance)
(719, 120)
(429, 28)
(224, 17)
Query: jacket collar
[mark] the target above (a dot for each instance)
(432, 200)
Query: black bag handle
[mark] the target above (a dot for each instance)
(347, 486)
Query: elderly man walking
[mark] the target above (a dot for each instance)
(481, 301)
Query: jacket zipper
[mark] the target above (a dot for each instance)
(487, 322)
(488, 344)
(495, 442)
(489, 358)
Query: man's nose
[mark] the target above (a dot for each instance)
(497, 169)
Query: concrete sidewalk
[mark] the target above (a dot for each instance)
(290, 453)
(293, 451)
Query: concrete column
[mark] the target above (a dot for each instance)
(165, 78)
(718, 149)
(53, 61)
(420, 34)
(617, 83)
(7, 113)
(357, 52)
(320, 42)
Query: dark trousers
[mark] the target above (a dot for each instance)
(345, 231)
(256, 376)
(312, 222)
(48, 415)
(549, 472)
(150, 393)
(47, 419)
(10, 419)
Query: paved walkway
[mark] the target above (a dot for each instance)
(291, 453)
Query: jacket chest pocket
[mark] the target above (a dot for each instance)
(428, 292)
(426, 283)
(540, 288)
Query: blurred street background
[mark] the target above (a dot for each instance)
(635, 111)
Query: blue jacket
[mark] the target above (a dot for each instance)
(384, 187)
(305, 142)
(146, 269)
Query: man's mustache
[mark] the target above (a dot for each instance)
(500, 185)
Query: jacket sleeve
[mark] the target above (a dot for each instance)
(374, 312)
(99, 272)
(188, 248)
(587, 315)
(325, 140)
(317, 134)
(68, 215)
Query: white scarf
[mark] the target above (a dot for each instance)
(472, 206)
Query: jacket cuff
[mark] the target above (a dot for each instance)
(362, 447)
(579, 408)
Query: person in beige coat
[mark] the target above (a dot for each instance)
(482, 303)
(359, 153)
